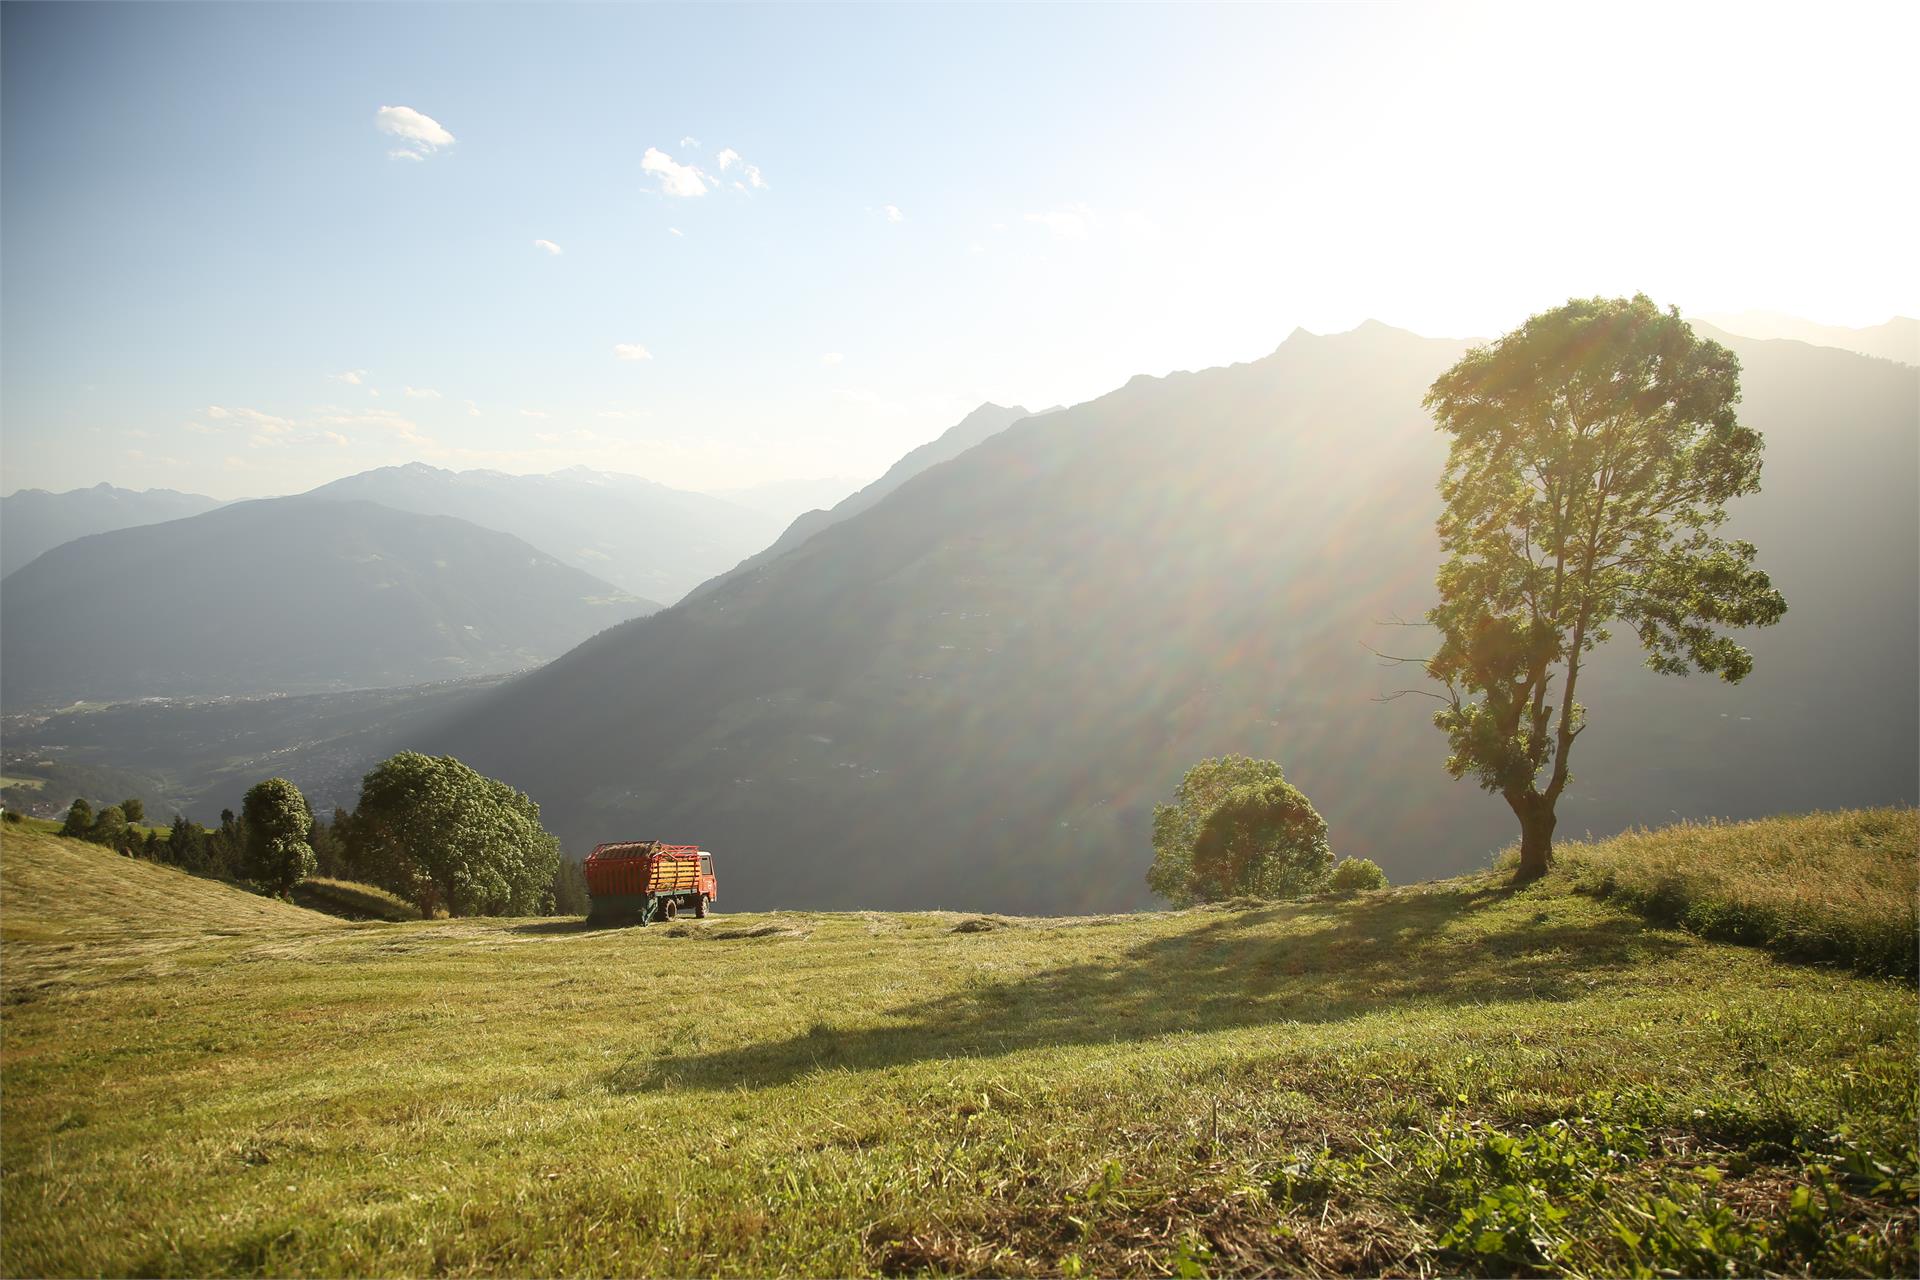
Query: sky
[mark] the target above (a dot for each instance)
(247, 249)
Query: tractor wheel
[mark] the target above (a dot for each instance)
(669, 908)
(700, 907)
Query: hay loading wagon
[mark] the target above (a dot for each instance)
(645, 880)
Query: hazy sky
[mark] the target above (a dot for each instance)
(248, 249)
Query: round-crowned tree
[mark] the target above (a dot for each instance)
(432, 830)
(1177, 825)
(1263, 840)
(276, 819)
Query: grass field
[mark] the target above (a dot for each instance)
(1448, 1077)
(1843, 887)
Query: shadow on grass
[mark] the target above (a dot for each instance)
(568, 924)
(1339, 961)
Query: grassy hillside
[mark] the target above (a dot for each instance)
(1450, 1077)
(352, 900)
(1843, 887)
(75, 915)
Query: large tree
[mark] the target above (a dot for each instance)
(276, 821)
(1177, 825)
(436, 832)
(1236, 826)
(1594, 451)
(1264, 840)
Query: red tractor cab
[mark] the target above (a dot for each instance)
(647, 880)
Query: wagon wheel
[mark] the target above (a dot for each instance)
(700, 907)
(669, 908)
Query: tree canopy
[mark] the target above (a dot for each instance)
(276, 821)
(438, 833)
(79, 821)
(1264, 840)
(1236, 826)
(1594, 451)
(1177, 825)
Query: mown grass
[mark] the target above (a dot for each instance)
(1841, 887)
(1451, 1077)
(352, 900)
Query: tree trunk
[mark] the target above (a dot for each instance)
(1536, 836)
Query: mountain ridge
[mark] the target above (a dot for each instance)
(34, 521)
(980, 424)
(289, 594)
(645, 537)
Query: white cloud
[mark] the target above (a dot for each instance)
(534, 413)
(420, 393)
(832, 358)
(388, 420)
(473, 410)
(420, 135)
(676, 179)
(631, 351)
(1069, 223)
(335, 438)
(675, 231)
(265, 424)
(891, 212)
(548, 245)
(690, 142)
(749, 173)
(351, 377)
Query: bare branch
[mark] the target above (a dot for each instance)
(1398, 694)
(1391, 659)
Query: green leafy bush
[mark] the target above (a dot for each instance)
(1177, 825)
(1236, 828)
(442, 836)
(1356, 875)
